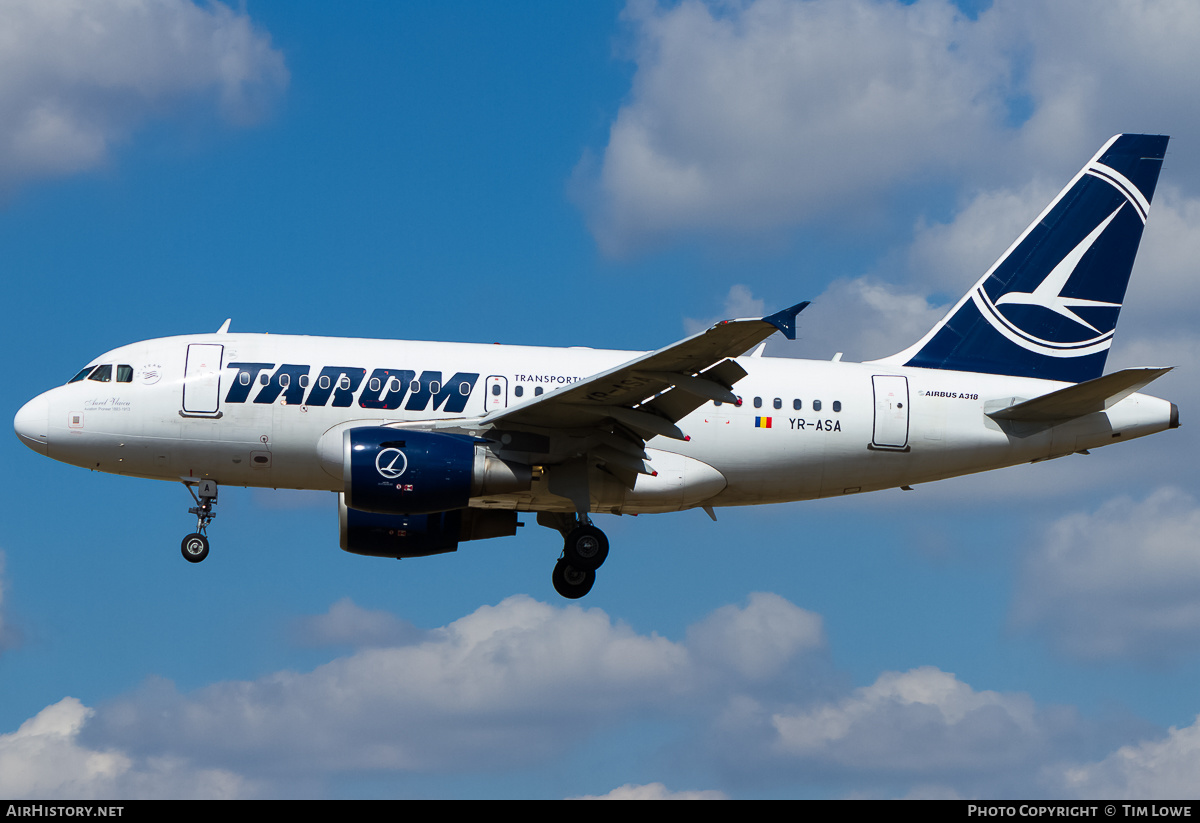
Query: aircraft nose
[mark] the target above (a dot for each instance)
(32, 423)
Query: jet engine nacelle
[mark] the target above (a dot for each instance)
(404, 471)
(419, 535)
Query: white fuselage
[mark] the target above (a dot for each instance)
(186, 409)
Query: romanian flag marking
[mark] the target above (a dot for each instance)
(762, 422)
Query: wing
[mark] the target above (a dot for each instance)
(650, 393)
(605, 420)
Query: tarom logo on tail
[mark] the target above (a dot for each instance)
(1049, 305)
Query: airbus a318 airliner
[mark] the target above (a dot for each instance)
(428, 445)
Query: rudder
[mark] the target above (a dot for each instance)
(1049, 306)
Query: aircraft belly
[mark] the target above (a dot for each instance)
(767, 465)
(234, 448)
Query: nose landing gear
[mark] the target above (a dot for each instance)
(195, 546)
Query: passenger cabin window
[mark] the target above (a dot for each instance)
(758, 402)
(816, 405)
(778, 403)
(82, 374)
(124, 374)
(102, 374)
(519, 390)
(797, 405)
(837, 405)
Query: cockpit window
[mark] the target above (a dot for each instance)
(82, 374)
(124, 374)
(102, 374)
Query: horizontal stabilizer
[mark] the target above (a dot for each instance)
(1081, 399)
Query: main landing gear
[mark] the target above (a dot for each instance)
(195, 545)
(585, 548)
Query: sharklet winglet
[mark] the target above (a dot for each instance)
(785, 320)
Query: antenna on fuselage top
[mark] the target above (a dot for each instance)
(224, 326)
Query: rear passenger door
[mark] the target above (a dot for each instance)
(891, 412)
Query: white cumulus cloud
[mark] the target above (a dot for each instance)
(523, 683)
(864, 318)
(739, 302)
(347, 623)
(505, 684)
(1120, 582)
(1154, 769)
(921, 720)
(759, 640)
(744, 117)
(46, 758)
(654, 791)
(78, 76)
(749, 117)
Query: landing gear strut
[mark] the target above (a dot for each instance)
(585, 548)
(195, 546)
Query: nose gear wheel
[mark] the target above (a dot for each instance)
(195, 546)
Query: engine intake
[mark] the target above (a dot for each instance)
(404, 471)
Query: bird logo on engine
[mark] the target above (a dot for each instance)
(391, 463)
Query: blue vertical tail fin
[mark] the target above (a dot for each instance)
(1048, 307)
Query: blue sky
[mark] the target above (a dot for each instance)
(607, 175)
